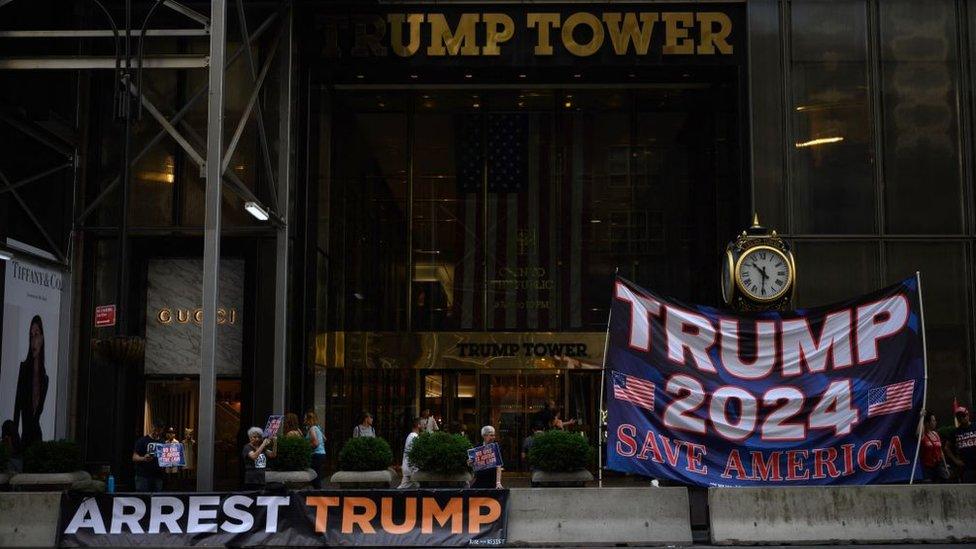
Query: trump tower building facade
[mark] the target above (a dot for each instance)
(424, 204)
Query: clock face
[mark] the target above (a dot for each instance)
(763, 273)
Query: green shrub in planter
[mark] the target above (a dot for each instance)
(560, 451)
(365, 454)
(294, 454)
(52, 456)
(440, 452)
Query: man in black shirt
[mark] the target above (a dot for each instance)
(149, 477)
(962, 446)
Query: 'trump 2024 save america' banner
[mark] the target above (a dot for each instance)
(819, 396)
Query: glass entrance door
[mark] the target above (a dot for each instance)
(450, 396)
(510, 401)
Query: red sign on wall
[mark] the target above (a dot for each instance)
(104, 316)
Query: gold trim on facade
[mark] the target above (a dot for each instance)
(461, 350)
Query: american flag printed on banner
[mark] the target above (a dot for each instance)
(889, 399)
(633, 389)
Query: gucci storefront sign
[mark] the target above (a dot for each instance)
(182, 315)
(174, 316)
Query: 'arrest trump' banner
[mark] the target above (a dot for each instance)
(708, 397)
(373, 518)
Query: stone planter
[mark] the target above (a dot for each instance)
(41, 482)
(293, 480)
(439, 480)
(561, 479)
(363, 479)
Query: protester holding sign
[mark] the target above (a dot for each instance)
(492, 477)
(255, 456)
(148, 477)
(933, 460)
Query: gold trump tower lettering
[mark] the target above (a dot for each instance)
(582, 34)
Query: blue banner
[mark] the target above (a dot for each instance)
(708, 397)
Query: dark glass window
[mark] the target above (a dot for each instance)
(523, 203)
(828, 272)
(923, 194)
(370, 237)
(946, 300)
(831, 149)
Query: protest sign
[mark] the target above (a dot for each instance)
(273, 426)
(171, 455)
(484, 457)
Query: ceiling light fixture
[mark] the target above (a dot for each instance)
(819, 141)
(255, 209)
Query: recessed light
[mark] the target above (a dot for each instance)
(521, 76)
(414, 76)
(468, 75)
(360, 76)
(568, 104)
(577, 75)
(476, 105)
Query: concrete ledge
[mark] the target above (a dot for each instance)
(29, 519)
(47, 481)
(293, 480)
(829, 514)
(363, 479)
(551, 478)
(598, 516)
(438, 480)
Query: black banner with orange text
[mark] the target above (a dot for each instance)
(307, 518)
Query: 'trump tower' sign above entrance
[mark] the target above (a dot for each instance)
(513, 35)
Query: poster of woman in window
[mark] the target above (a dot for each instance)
(29, 350)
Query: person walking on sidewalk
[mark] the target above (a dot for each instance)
(405, 468)
(365, 427)
(317, 440)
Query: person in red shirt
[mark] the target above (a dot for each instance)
(933, 462)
